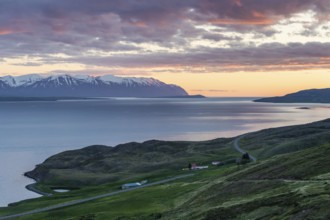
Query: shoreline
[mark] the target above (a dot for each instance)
(32, 188)
(26, 185)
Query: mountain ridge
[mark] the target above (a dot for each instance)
(303, 96)
(34, 85)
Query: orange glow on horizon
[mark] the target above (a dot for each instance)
(248, 84)
(272, 81)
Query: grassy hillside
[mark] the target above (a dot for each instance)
(96, 165)
(291, 179)
(290, 186)
(269, 142)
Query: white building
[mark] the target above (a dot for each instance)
(130, 185)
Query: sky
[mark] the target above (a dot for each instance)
(210, 47)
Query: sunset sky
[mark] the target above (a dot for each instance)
(210, 47)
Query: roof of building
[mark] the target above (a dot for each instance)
(131, 184)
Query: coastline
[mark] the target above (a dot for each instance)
(32, 188)
(279, 132)
(31, 155)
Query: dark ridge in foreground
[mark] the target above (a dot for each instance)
(304, 96)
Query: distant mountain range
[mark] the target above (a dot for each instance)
(304, 96)
(34, 85)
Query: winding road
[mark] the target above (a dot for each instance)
(75, 202)
(237, 147)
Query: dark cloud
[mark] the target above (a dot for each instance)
(75, 28)
(265, 57)
(117, 18)
(219, 37)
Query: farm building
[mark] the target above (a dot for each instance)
(130, 185)
(217, 163)
(195, 167)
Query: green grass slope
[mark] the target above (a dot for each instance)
(289, 186)
(291, 179)
(269, 142)
(97, 165)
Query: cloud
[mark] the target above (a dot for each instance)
(149, 33)
(266, 57)
(145, 18)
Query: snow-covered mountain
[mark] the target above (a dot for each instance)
(20, 80)
(34, 85)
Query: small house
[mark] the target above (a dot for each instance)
(217, 163)
(130, 185)
(195, 167)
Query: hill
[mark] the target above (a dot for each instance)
(304, 96)
(291, 179)
(95, 165)
(34, 85)
(290, 186)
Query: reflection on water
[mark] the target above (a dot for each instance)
(32, 131)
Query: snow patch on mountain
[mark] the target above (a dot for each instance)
(111, 79)
(86, 78)
(64, 79)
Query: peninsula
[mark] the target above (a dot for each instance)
(304, 96)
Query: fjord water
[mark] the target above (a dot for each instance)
(32, 131)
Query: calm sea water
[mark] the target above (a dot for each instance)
(32, 131)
